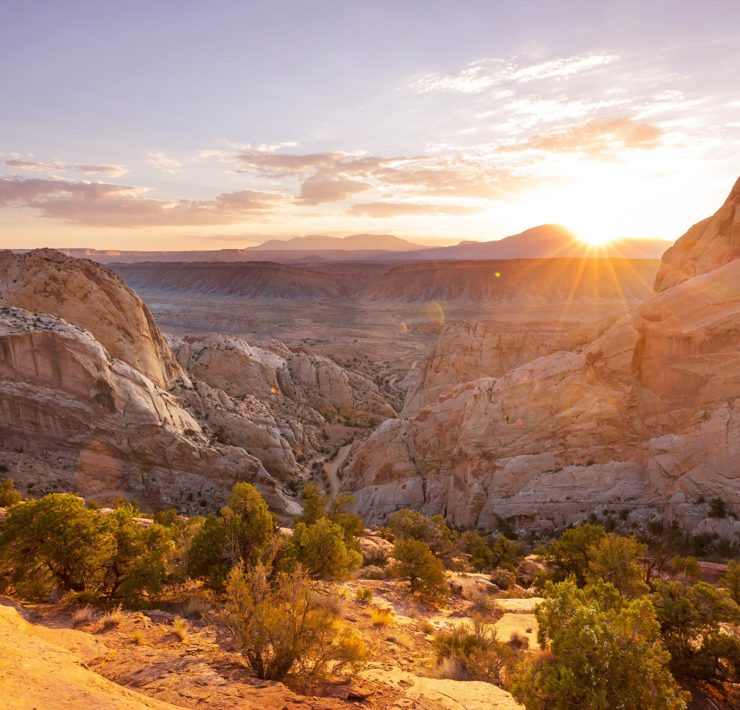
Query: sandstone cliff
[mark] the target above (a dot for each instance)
(92, 297)
(75, 418)
(645, 419)
(710, 243)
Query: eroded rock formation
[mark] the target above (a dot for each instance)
(644, 419)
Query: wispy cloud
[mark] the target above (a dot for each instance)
(483, 74)
(103, 204)
(163, 163)
(60, 166)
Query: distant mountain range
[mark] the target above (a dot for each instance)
(546, 241)
(355, 242)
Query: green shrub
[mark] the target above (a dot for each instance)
(600, 647)
(690, 616)
(407, 524)
(243, 531)
(8, 494)
(424, 571)
(283, 628)
(55, 541)
(571, 554)
(322, 550)
(616, 559)
(731, 580)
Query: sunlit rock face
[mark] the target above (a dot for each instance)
(644, 419)
(710, 243)
(91, 297)
(465, 351)
(272, 401)
(73, 417)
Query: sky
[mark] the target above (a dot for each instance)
(193, 125)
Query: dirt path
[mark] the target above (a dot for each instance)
(332, 467)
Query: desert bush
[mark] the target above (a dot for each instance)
(616, 559)
(424, 571)
(314, 503)
(112, 619)
(55, 541)
(518, 642)
(138, 638)
(195, 607)
(690, 617)
(242, 531)
(374, 557)
(686, 567)
(8, 494)
(485, 606)
(374, 572)
(321, 548)
(475, 652)
(364, 595)
(167, 517)
(283, 628)
(503, 578)
(180, 629)
(406, 524)
(139, 558)
(381, 616)
(571, 554)
(481, 554)
(731, 580)
(599, 646)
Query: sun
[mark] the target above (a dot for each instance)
(594, 239)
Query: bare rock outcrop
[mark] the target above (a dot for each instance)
(92, 297)
(645, 419)
(467, 350)
(95, 424)
(275, 373)
(710, 243)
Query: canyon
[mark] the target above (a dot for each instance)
(528, 391)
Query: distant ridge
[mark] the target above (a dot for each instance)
(355, 242)
(547, 241)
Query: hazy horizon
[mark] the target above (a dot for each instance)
(134, 127)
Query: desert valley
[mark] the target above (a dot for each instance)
(523, 395)
(373, 355)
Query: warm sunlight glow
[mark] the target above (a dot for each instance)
(594, 239)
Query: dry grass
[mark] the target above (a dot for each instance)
(112, 619)
(427, 627)
(180, 629)
(196, 608)
(364, 595)
(381, 617)
(83, 615)
(138, 638)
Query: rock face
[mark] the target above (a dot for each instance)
(105, 429)
(93, 398)
(274, 402)
(645, 419)
(710, 243)
(465, 351)
(276, 373)
(94, 298)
